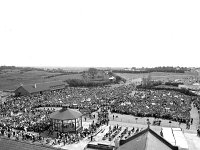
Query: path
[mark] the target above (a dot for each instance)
(194, 114)
(193, 141)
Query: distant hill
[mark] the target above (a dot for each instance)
(12, 77)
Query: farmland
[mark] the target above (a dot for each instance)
(11, 79)
(158, 76)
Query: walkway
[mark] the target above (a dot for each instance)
(193, 141)
(194, 114)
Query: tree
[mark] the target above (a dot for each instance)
(92, 72)
(147, 81)
(149, 78)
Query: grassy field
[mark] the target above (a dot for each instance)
(11, 79)
(157, 76)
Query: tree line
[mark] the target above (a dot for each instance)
(155, 69)
(91, 79)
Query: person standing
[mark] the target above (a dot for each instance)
(161, 133)
(198, 132)
(191, 121)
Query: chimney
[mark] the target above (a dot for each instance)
(35, 86)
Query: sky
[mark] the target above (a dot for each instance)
(103, 33)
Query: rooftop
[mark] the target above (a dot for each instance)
(146, 140)
(66, 114)
(37, 87)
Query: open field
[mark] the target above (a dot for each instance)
(11, 79)
(164, 76)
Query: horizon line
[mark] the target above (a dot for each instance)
(96, 66)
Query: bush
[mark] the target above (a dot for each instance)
(173, 83)
(118, 79)
(79, 83)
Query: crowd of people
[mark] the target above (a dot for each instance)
(22, 135)
(117, 132)
(70, 138)
(155, 103)
(196, 102)
(24, 114)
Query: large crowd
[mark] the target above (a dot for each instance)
(155, 103)
(22, 113)
(196, 102)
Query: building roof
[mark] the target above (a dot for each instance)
(66, 114)
(146, 140)
(38, 87)
(9, 144)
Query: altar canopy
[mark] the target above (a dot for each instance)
(66, 120)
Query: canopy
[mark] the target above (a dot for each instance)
(66, 114)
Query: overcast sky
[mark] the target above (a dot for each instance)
(104, 33)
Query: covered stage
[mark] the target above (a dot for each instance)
(66, 120)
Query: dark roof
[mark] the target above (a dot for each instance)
(146, 140)
(38, 87)
(66, 114)
(9, 144)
